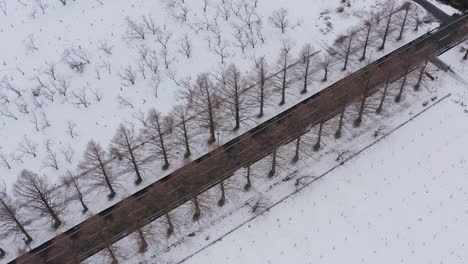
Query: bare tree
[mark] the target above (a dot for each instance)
(76, 58)
(27, 147)
(185, 46)
(156, 134)
(30, 44)
(279, 19)
(235, 94)
(325, 64)
(345, 49)
(135, 30)
(183, 128)
(262, 92)
(95, 165)
(3, 6)
(388, 27)
(221, 50)
(51, 159)
(12, 221)
(5, 160)
(72, 180)
(150, 25)
(404, 19)
(365, 37)
(81, 97)
(41, 5)
(35, 193)
(61, 85)
(305, 72)
(283, 80)
(71, 129)
(127, 145)
(206, 104)
(128, 75)
(51, 70)
(6, 85)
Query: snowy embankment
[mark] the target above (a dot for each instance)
(403, 200)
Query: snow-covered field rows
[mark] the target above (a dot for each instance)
(49, 111)
(403, 200)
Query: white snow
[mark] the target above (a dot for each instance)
(88, 24)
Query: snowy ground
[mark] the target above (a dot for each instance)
(86, 26)
(403, 200)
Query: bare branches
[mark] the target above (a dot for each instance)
(5, 160)
(71, 180)
(128, 75)
(279, 19)
(185, 46)
(183, 133)
(35, 192)
(126, 145)
(94, 164)
(149, 24)
(71, 129)
(156, 134)
(81, 97)
(51, 157)
(11, 219)
(206, 103)
(76, 58)
(27, 147)
(5, 84)
(234, 93)
(30, 44)
(135, 30)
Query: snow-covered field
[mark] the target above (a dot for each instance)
(49, 110)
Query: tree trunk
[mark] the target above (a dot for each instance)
(348, 53)
(420, 77)
(248, 185)
(283, 86)
(143, 243)
(110, 250)
(358, 120)
(222, 200)
(387, 30)
(2, 253)
(186, 139)
(262, 90)
(382, 100)
(325, 74)
(306, 75)
(163, 147)
(402, 86)
(106, 176)
(366, 42)
(403, 24)
(319, 138)
(298, 146)
(273, 165)
(338, 132)
(197, 213)
(170, 225)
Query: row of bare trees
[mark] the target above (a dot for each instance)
(214, 102)
(371, 103)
